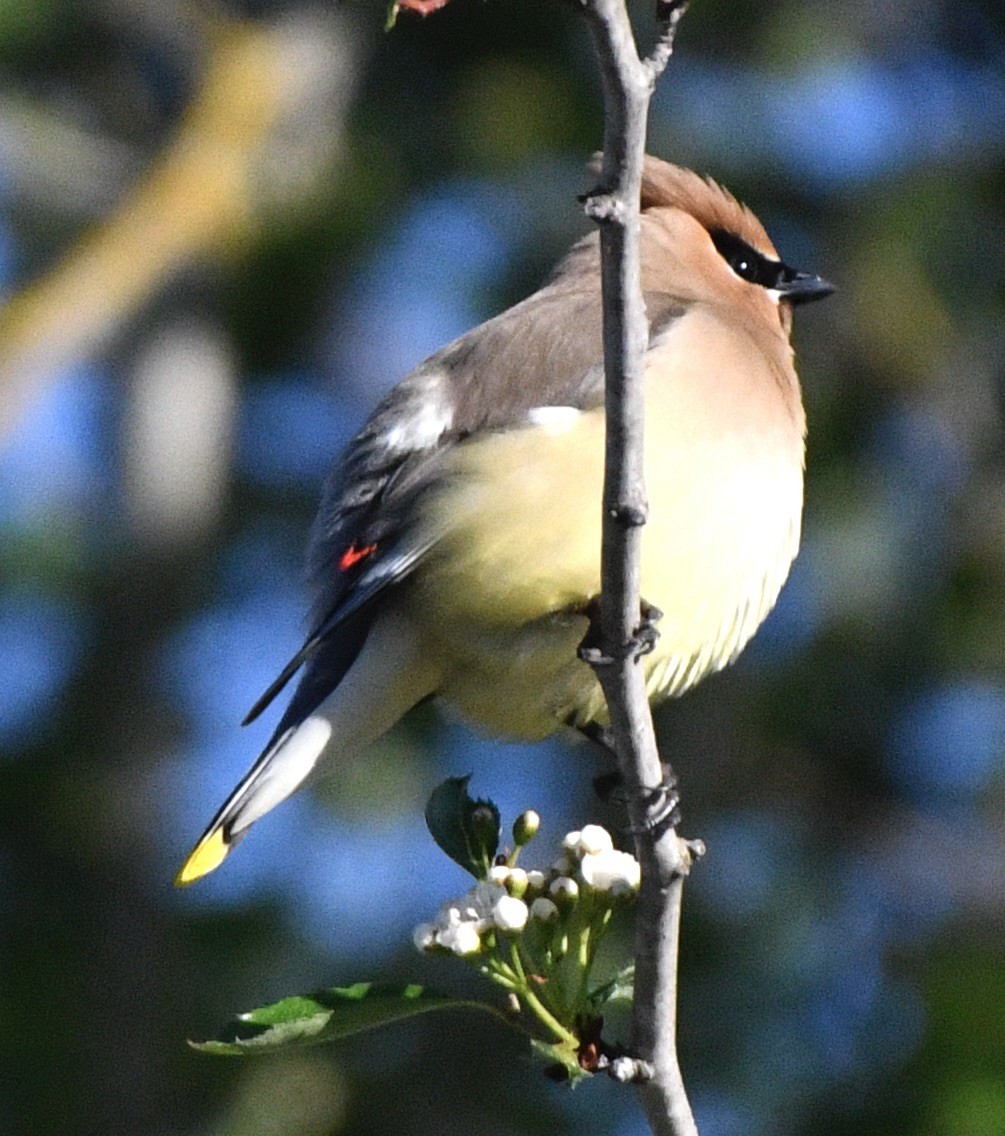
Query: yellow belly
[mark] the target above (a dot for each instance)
(521, 517)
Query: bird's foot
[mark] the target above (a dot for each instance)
(590, 650)
(642, 642)
(647, 634)
(662, 805)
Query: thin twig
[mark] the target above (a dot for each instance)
(665, 858)
(668, 15)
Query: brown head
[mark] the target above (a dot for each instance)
(699, 243)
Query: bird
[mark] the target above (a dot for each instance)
(456, 550)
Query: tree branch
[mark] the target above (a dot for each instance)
(665, 858)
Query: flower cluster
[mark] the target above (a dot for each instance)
(536, 933)
(511, 898)
(460, 923)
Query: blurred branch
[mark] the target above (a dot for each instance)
(57, 165)
(265, 90)
(665, 858)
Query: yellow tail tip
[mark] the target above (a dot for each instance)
(207, 855)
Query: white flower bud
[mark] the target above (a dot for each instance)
(564, 888)
(483, 897)
(535, 880)
(571, 841)
(516, 882)
(498, 874)
(525, 827)
(510, 914)
(615, 872)
(424, 936)
(463, 939)
(543, 909)
(594, 839)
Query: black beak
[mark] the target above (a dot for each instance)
(802, 287)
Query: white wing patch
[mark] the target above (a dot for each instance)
(553, 419)
(425, 417)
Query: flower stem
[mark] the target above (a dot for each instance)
(541, 1012)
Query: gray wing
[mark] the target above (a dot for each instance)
(546, 351)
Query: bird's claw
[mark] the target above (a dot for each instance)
(642, 642)
(647, 634)
(662, 806)
(662, 803)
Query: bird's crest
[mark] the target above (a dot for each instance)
(668, 186)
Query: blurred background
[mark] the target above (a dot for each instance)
(224, 231)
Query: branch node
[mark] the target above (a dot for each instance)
(688, 853)
(631, 516)
(603, 207)
(630, 1070)
(594, 655)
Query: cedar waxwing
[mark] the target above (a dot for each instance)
(457, 546)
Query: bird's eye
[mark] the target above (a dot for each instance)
(747, 262)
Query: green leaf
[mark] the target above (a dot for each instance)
(563, 1061)
(620, 989)
(466, 829)
(613, 1002)
(327, 1016)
